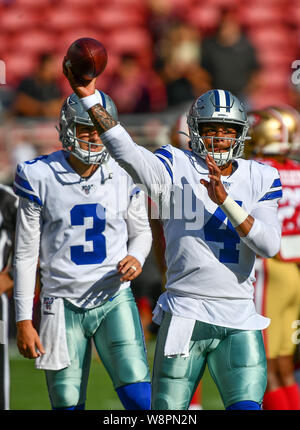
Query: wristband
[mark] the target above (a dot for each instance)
(90, 101)
(234, 212)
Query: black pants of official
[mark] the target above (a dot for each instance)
(4, 355)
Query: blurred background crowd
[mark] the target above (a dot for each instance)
(162, 54)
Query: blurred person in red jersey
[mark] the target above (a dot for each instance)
(40, 95)
(230, 58)
(135, 89)
(277, 288)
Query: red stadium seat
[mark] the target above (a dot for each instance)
(275, 78)
(260, 14)
(33, 42)
(18, 18)
(18, 66)
(275, 58)
(263, 99)
(60, 19)
(132, 4)
(293, 14)
(34, 4)
(110, 19)
(3, 43)
(225, 3)
(205, 18)
(277, 37)
(132, 40)
(79, 3)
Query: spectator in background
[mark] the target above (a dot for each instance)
(136, 90)
(178, 58)
(40, 95)
(230, 58)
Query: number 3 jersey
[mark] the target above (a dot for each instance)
(80, 229)
(210, 267)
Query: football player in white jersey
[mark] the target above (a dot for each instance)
(218, 212)
(82, 216)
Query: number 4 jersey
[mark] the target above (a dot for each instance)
(207, 260)
(83, 228)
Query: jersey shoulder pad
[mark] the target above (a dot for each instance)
(267, 181)
(29, 175)
(166, 151)
(166, 155)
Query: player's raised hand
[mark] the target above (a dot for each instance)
(81, 88)
(130, 268)
(28, 340)
(215, 188)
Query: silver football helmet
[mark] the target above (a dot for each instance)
(72, 113)
(218, 106)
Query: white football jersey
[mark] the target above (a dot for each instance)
(206, 258)
(84, 226)
(205, 255)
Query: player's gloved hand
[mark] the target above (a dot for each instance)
(130, 267)
(80, 88)
(215, 188)
(28, 340)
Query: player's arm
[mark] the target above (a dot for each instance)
(261, 229)
(139, 237)
(142, 165)
(25, 265)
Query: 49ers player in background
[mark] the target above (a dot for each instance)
(275, 133)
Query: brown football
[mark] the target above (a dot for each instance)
(87, 58)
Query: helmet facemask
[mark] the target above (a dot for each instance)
(235, 149)
(71, 143)
(73, 114)
(206, 110)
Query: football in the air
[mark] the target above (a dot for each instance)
(87, 58)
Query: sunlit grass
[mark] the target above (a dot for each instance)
(29, 391)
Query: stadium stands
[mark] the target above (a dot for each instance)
(29, 27)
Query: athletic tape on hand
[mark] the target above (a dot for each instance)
(234, 212)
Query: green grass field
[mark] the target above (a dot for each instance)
(28, 386)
